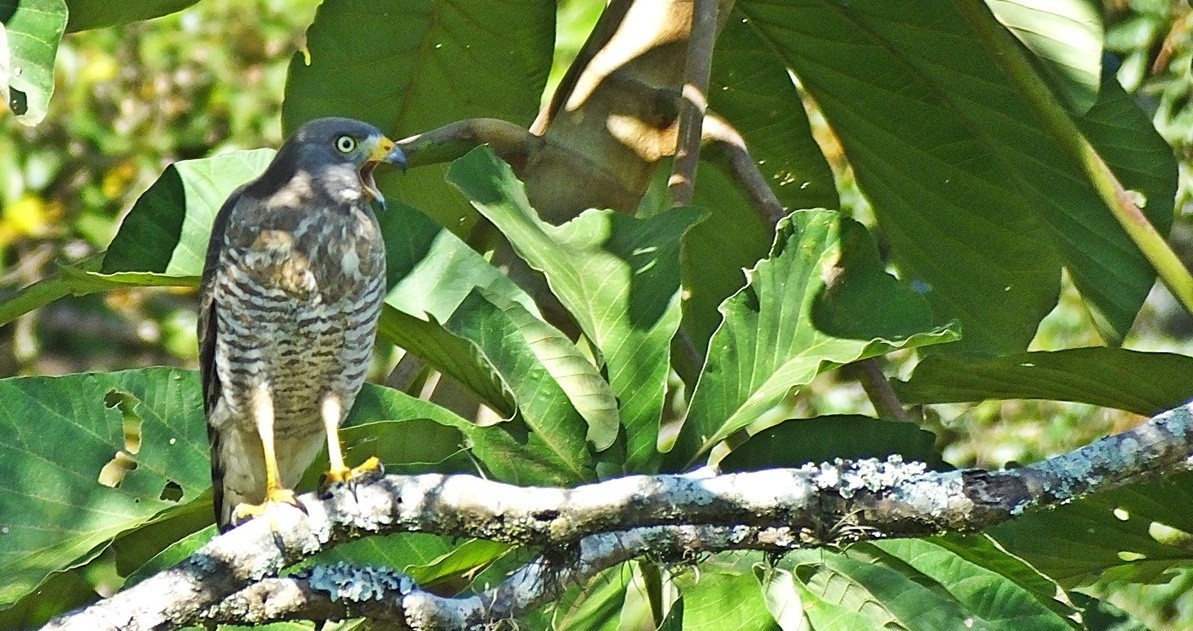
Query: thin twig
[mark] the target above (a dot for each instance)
(701, 39)
(721, 135)
(453, 140)
(878, 389)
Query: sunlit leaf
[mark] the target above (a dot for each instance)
(168, 228)
(597, 605)
(29, 34)
(984, 552)
(542, 403)
(1066, 39)
(913, 584)
(769, 343)
(92, 414)
(715, 600)
(617, 275)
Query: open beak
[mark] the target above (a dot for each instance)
(385, 151)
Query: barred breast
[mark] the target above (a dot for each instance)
(299, 311)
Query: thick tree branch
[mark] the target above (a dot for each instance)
(344, 591)
(789, 508)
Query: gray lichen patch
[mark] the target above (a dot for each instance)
(848, 477)
(355, 583)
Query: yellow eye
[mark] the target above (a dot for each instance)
(345, 144)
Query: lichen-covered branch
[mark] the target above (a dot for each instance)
(344, 591)
(632, 516)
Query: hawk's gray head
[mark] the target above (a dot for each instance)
(338, 155)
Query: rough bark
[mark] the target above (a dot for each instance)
(586, 529)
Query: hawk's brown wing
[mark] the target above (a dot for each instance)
(207, 320)
(208, 376)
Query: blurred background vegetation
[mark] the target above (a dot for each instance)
(130, 100)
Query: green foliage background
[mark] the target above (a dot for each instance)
(224, 75)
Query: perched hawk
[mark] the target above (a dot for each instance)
(291, 292)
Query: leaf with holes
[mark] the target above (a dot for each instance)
(141, 431)
(29, 34)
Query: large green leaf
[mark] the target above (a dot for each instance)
(29, 34)
(782, 596)
(79, 280)
(88, 14)
(716, 599)
(797, 441)
(914, 584)
(1066, 38)
(515, 361)
(168, 227)
(461, 563)
(984, 552)
(750, 87)
(984, 592)
(978, 200)
(448, 353)
(617, 275)
(715, 253)
(543, 404)
(509, 451)
(99, 415)
(400, 551)
(433, 274)
(60, 433)
(1143, 383)
(431, 271)
(409, 66)
(1134, 534)
(769, 344)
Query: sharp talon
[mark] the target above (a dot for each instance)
(245, 512)
(368, 470)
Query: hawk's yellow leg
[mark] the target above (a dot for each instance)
(274, 492)
(333, 415)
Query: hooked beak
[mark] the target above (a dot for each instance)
(385, 151)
